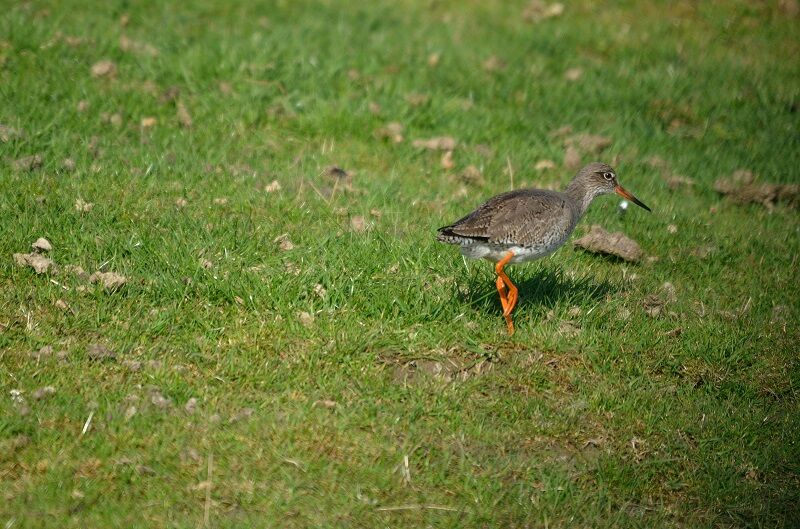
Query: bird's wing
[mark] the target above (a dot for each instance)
(474, 225)
(524, 217)
(531, 219)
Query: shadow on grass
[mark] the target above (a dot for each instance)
(544, 289)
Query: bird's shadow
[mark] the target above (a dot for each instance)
(542, 289)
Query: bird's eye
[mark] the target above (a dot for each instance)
(608, 176)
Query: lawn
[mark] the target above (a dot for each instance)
(288, 345)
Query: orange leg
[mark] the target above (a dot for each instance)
(508, 291)
(503, 291)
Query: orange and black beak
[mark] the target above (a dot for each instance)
(621, 191)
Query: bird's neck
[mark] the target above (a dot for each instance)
(581, 195)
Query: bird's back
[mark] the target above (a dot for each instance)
(526, 217)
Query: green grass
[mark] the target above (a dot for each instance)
(618, 424)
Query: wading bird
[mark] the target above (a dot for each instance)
(527, 224)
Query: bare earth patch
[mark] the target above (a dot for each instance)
(442, 370)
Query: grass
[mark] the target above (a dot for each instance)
(593, 414)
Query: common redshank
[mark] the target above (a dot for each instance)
(527, 224)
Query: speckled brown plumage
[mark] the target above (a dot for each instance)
(515, 218)
(528, 224)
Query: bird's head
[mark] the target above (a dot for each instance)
(601, 179)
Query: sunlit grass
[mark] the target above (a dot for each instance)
(362, 376)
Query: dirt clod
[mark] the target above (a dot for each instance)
(28, 163)
(134, 366)
(127, 44)
(82, 206)
(43, 393)
(674, 333)
(37, 261)
(42, 353)
(306, 318)
(292, 268)
(415, 99)
(41, 245)
(538, 10)
(7, 133)
(392, 131)
(669, 292)
(572, 158)
(439, 143)
(494, 63)
(573, 74)
(190, 406)
(170, 94)
(675, 181)
(790, 8)
(98, 352)
(701, 252)
(447, 161)
(284, 243)
(569, 328)
(471, 175)
(653, 305)
(741, 188)
(160, 401)
(182, 113)
(241, 415)
(589, 143)
(111, 281)
(545, 165)
(77, 271)
(104, 69)
(617, 244)
(561, 131)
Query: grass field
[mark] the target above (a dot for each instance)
(292, 348)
